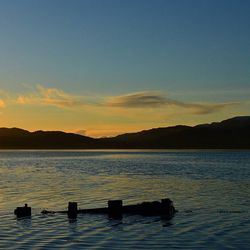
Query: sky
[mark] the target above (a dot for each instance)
(106, 67)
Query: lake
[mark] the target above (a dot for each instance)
(211, 190)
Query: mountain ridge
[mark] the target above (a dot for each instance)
(232, 133)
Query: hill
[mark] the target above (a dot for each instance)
(15, 138)
(233, 133)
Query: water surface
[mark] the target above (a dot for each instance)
(211, 190)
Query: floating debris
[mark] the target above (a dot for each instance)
(115, 209)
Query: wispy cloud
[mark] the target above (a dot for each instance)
(155, 99)
(81, 132)
(51, 97)
(2, 103)
(2, 99)
(137, 100)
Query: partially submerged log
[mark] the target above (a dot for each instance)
(163, 208)
(115, 208)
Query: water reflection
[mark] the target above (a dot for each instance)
(24, 223)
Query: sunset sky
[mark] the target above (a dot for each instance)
(105, 67)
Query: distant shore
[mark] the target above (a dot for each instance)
(230, 134)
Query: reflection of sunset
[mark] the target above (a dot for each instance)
(49, 180)
(51, 188)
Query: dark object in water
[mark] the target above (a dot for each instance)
(168, 208)
(115, 209)
(72, 210)
(164, 208)
(47, 212)
(22, 211)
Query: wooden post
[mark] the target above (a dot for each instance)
(22, 211)
(115, 208)
(168, 209)
(72, 210)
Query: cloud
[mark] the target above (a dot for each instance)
(81, 132)
(137, 100)
(50, 96)
(155, 99)
(103, 132)
(3, 98)
(2, 103)
(203, 109)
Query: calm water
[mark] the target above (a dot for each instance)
(211, 190)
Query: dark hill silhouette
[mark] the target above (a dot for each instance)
(228, 134)
(13, 132)
(233, 133)
(21, 139)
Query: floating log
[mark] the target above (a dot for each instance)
(22, 211)
(115, 208)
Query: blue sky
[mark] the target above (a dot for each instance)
(192, 50)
